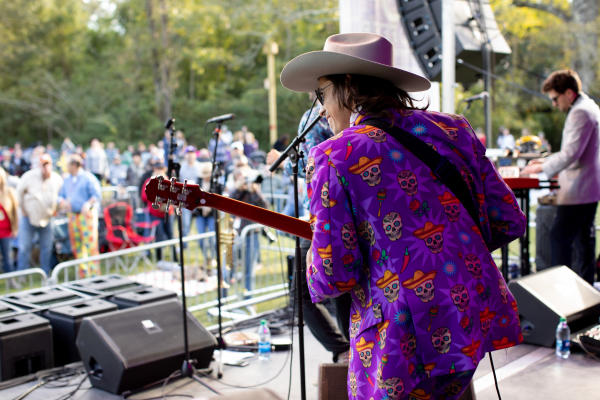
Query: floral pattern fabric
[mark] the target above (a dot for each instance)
(428, 300)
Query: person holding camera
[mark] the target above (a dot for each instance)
(247, 189)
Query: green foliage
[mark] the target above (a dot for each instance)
(103, 68)
(90, 69)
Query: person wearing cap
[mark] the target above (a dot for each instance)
(393, 248)
(37, 194)
(79, 198)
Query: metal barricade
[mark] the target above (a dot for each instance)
(25, 279)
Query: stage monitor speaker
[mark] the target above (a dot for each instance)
(141, 296)
(127, 349)
(25, 345)
(546, 296)
(40, 299)
(100, 285)
(66, 320)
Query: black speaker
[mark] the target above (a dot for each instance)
(41, 298)
(107, 284)
(128, 349)
(65, 321)
(141, 296)
(546, 296)
(473, 22)
(25, 345)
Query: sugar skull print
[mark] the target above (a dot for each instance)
(422, 284)
(353, 385)
(309, 169)
(360, 295)
(325, 200)
(432, 235)
(408, 345)
(368, 169)
(441, 340)
(389, 283)
(485, 318)
(451, 206)
(355, 320)
(365, 230)
(364, 350)
(460, 297)
(326, 259)
(349, 236)
(473, 265)
(382, 333)
(408, 182)
(393, 387)
(392, 225)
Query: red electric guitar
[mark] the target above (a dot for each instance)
(160, 190)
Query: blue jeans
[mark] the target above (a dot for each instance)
(27, 233)
(203, 224)
(252, 248)
(6, 258)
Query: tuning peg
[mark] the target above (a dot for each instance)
(173, 187)
(161, 186)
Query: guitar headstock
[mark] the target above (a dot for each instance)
(161, 190)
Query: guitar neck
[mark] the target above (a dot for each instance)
(282, 222)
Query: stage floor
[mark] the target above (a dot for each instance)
(524, 372)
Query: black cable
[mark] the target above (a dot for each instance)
(71, 393)
(495, 379)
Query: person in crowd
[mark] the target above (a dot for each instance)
(37, 195)
(248, 190)
(67, 146)
(135, 170)
(127, 156)
(18, 162)
(249, 141)
(8, 221)
(506, 141)
(329, 331)
(161, 217)
(80, 198)
(282, 142)
(111, 152)
(96, 161)
(117, 172)
(190, 172)
(578, 167)
(425, 289)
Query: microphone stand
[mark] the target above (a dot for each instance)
(187, 368)
(294, 152)
(216, 188)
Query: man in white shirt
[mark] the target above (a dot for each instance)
(38, 196)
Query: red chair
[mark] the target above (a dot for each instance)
(120, 233)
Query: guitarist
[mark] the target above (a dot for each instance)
(427, 299)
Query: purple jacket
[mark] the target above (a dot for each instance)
(428, 300)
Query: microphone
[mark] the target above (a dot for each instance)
(479, 96)
(220, 118)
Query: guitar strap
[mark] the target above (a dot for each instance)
(443, 169)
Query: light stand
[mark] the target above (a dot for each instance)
(294, 152)
(187, 368)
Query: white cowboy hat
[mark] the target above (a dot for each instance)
(349, 53)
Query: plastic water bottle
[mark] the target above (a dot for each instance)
(264, 341)
(563, 339)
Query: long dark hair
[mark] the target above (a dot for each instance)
(370, 95)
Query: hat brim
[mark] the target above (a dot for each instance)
(302, 73)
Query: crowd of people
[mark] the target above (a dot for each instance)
(40, 183)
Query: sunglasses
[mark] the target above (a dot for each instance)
(555, 97)
(319, 94)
